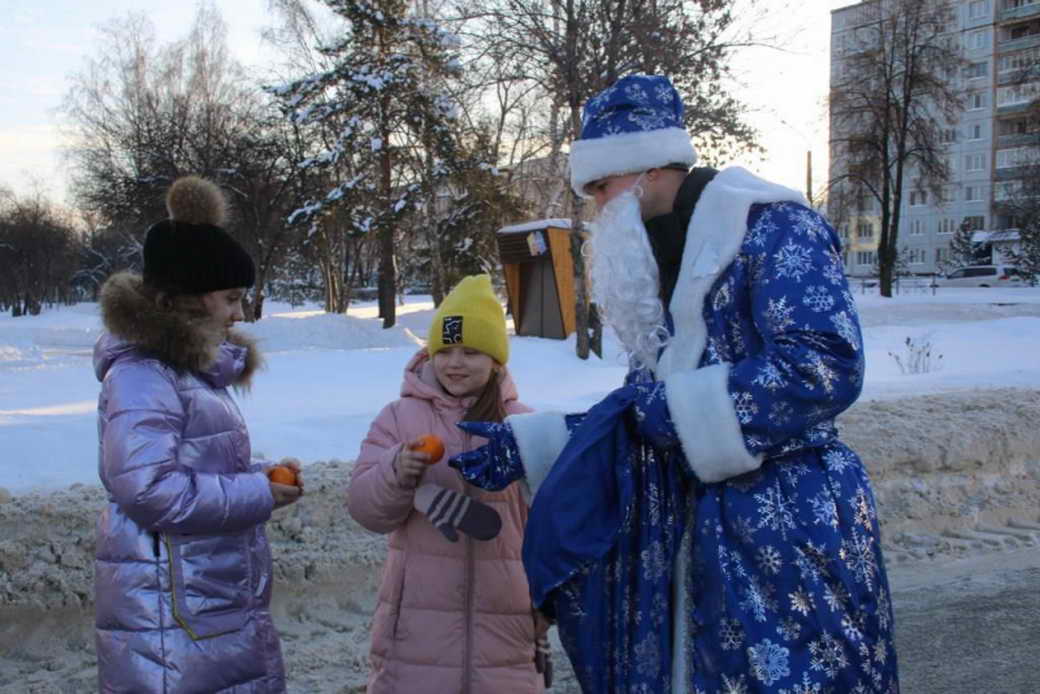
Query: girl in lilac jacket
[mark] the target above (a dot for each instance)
(183, 568)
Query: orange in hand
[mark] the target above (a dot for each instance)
(431, 445)
(282, 475)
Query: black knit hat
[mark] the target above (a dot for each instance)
(190, 253)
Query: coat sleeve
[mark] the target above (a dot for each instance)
(374, 498)
(808, 364)
(145, 417)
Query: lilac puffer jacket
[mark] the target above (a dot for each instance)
(183, 568)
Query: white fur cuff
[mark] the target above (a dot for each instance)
(707, 424)
(625, 153)
(540, 436)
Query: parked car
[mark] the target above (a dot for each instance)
(983, 276)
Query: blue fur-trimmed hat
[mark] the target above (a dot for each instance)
(633, 125)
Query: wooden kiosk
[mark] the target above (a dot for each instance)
(539, 271)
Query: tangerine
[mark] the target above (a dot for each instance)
(282, 475)
(431, 445)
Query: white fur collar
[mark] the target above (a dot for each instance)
(714, 237)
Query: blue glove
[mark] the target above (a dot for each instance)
(495, 465)
(650, 411)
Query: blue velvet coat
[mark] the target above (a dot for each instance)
(744, 554)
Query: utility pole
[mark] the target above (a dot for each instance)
(808, 178)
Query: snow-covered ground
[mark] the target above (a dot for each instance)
(327, 375)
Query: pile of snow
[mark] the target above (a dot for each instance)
(317, 330)
(327, 376)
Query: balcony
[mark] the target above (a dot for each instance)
(1012, 109)
(1018, 140)
(1024, 43)
(1010, 173)
(1019, 12)
(1011, 77)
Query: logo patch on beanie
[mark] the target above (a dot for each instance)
(451, 333)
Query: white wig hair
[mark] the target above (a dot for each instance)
(625, 280)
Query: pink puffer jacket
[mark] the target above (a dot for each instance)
(452, 617)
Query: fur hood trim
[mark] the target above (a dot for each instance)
(176, 339)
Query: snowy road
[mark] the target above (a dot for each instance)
(969, 626)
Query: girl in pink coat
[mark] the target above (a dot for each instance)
(454, 612)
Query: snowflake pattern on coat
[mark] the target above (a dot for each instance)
(786, 589)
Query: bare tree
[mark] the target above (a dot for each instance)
(896, 92)
(39, 251)
(143, 113)
(574, 48)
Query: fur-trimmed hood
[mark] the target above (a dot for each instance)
(134, 322)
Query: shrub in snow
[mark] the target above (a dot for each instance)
(917, 357)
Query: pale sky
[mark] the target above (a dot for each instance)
(43, 42)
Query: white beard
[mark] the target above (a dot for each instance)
(625, 281)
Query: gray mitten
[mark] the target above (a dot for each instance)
(452, 511)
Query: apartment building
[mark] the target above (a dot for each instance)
(987, 145)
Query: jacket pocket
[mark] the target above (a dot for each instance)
(209, 579)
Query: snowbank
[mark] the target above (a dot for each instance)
(940, 464)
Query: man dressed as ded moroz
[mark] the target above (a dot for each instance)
(702, 528)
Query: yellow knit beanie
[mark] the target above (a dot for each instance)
(471, 316)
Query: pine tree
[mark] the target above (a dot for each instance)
(962, 248)
(381, 102)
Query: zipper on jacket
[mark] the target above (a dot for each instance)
(155, 544)
(468, 657)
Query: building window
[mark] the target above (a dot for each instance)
(977, 100)
(918, 197)
(916, 256)
(975, 223)
(864, 230)
(948, 135)
(974, 71)
(1007, 190)
(947, 226)
(916, 227)
(978, 9)
(978, 40)
(865, 257)
(975, 131)
(972, 193)
(942, 254)
(975, 162)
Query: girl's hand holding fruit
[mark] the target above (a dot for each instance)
(286, 481)
(412, 459)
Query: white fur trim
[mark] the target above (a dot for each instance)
(707, 424)
(625, 153)
(540, 436)
(698, 399)
(713, 239)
